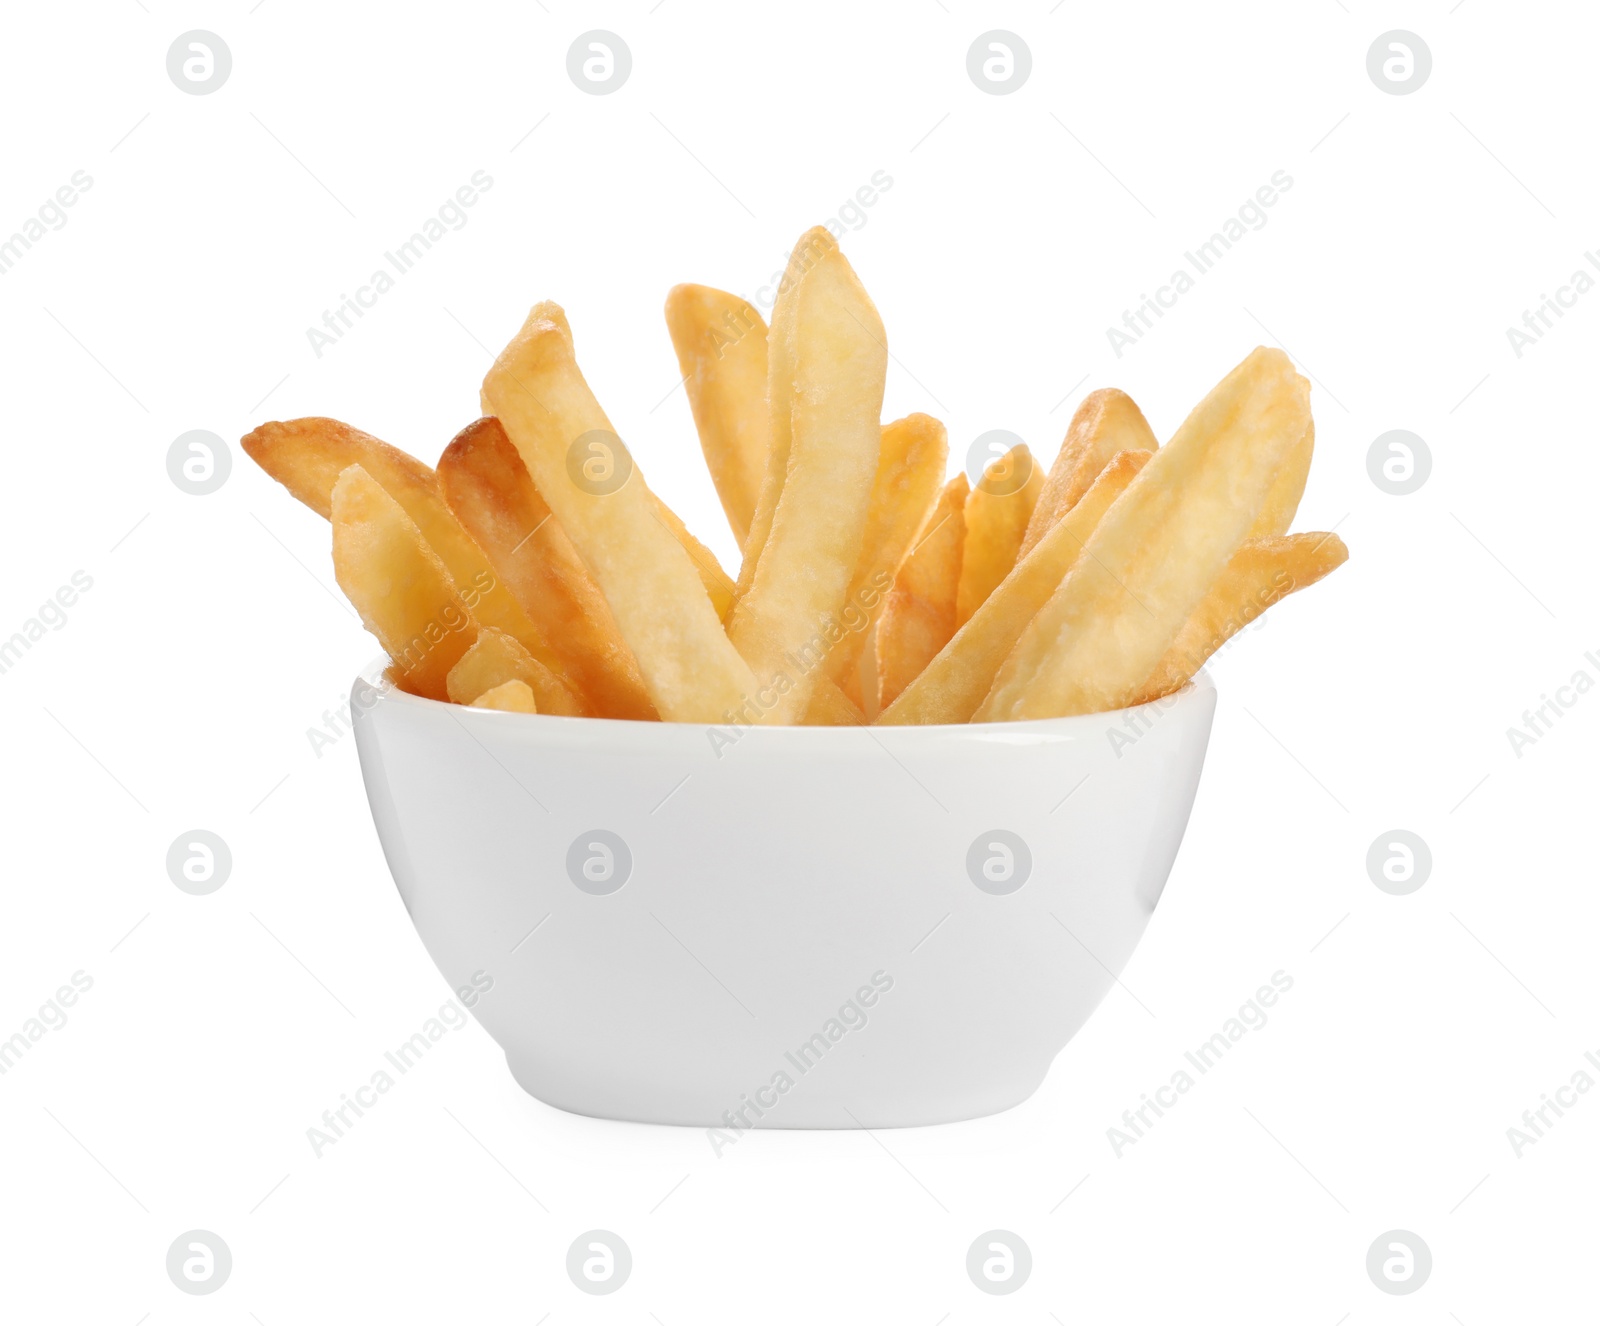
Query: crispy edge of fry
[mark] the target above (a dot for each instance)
(1283, 499)
(495, 658)
(798, 589)
(721, 344)
(1156, 553)
(308, 455)
(997, 517)
(1262, 573)
(511, 697)
(912, 455)
(690, 668)
(920, 615)
(952, 686)
(1108, 421)
(399, 584)
(719, 588)
(488, 489)
(808, 251)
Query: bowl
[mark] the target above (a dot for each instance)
(797, 927)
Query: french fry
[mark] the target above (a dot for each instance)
(398, 584)
(920, 615)
(833, 401)
(1156, 553)
(953, 685)
(1283, 500)
(811, 248)
(514, 697)
(1263, 572)
(488, 490)
(997, 515)
(308, 455)
(831, 707)
(721, 344)
(1107, 422)
(717, 584)
(719, 588)
(691, 670)
(911, 460)
(496, 658)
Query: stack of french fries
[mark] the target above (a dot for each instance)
(533, 569)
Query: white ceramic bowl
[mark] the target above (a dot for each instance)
(797, 928)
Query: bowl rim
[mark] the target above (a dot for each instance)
(371, 679)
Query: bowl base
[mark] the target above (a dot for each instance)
(816, 1114)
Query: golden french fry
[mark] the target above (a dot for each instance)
(1107, 422)
(911, 459)
(1156, 553)
(1261, 573)
(488, 490)
(998, 510)
(691, 670)
(808, 251)
(514, 697)
(831, 707)
(307, 455)
(920, 616)
(1283, 500)
(496, 658)
(786, 623)
(398, 584)
(719, 588)
(722, 353)
(953, 685)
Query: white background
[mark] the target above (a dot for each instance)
(179, 693)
